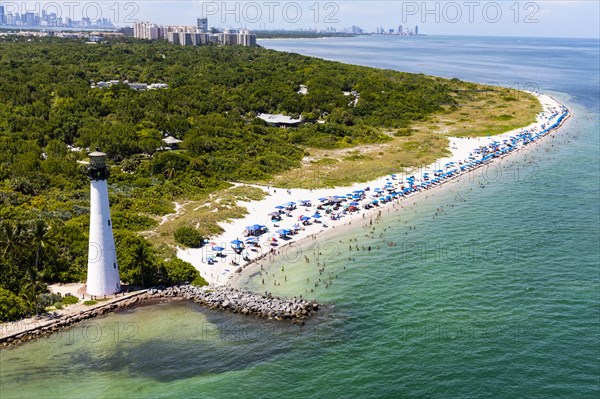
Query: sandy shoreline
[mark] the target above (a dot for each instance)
(223, 272)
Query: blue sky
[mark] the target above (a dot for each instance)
(542, 18)
(554, 18)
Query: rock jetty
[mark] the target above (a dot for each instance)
(218, 298)
(236, 301)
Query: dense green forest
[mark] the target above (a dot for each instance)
(47, 107)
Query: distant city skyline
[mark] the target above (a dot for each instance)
(48, 15)
(545, 18)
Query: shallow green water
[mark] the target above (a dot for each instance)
(493, 294)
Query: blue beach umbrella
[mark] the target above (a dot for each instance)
(237, 242)
(218, 249)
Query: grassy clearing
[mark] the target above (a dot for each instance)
(483, 111)
(344, 167)
(204, 214)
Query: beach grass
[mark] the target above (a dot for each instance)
(483, 111)
(345, 167)
(480, 111)
(204, 214)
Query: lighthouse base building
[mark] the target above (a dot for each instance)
(103, 269)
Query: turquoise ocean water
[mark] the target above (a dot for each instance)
(491, 289)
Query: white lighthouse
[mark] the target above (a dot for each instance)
(103, 270)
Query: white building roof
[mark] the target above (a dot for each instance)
(303, 90)
(279, 119)
(172, 140)
(158, 86)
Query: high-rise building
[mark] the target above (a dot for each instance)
(103, 271)
(46, 19)
(127, 31)
(400, 29)
(185, 38)
(29, 19)
(230, 37)
(197, 39)
(186, 35)
(173, 37)
(183, 35)
(245, 38)
(138, 29)
(417, 30)
(356, 30)
(146, 30)
(202, 25)
(50, 19)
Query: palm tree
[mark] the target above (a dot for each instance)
(11, 234)
(40, 237)
(33, 286)
(11, 240)
(170, 170)
(142, 257)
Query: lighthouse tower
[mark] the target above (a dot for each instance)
(103, 270)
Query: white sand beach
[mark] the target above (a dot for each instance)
(467, 155)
